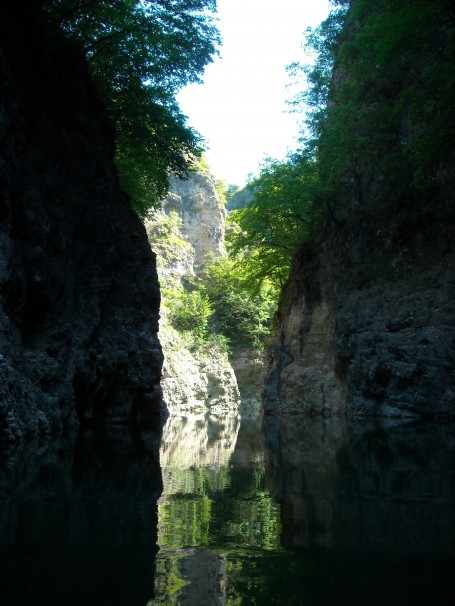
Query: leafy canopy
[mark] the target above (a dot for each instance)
(377, 144)
(283, 213)
(241, 315)
(140, 54)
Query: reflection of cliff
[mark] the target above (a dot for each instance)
(197, 441)
(78, 523)
(359, 487)
(213, 510)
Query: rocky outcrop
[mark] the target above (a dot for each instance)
(373, 338)
(79, 290)
(196, 381)
(196, 201)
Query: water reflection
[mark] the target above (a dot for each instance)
(325, 511)
(307, 512)
(215, 514)
(78, 521)
(363, 486)
(370, 504)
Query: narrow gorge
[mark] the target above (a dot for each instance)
(163, 439)
(198, 380)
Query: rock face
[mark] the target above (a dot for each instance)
(79, 291)
(203, 216)
(376, 340)
(197, 380)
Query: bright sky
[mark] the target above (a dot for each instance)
(240, 109)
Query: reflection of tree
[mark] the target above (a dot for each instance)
(214, 509)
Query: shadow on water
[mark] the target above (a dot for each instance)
(78, 520)
(306, 512)
(369, 506)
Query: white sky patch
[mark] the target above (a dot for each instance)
(240, 109)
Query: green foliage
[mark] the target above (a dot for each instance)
(241, 314)
(238, 198)
(221, 188)
(189, 311)
(165, 236)
(283, 213)
(386, 135)
(141, 53)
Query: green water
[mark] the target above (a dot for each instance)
(318, 513)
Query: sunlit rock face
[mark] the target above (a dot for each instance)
(194, 380)
(248, 365)
(301, 374)
(79, 290)
(362, 486)
(197, 203)
(195, 383)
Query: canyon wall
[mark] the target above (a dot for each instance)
(370, 337)
(366, 324)
(197, 202)
(79, 290)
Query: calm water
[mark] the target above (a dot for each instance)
(320, 512)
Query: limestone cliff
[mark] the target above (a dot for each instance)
(195, 380)
(366, 337)
(203, 216)
(79, 290)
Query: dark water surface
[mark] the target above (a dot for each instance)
(319, 512)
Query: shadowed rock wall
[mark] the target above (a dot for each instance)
(78, 286)
(376, 340)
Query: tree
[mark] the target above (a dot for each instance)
(240, 314)
(140, 54)
(283, 213)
